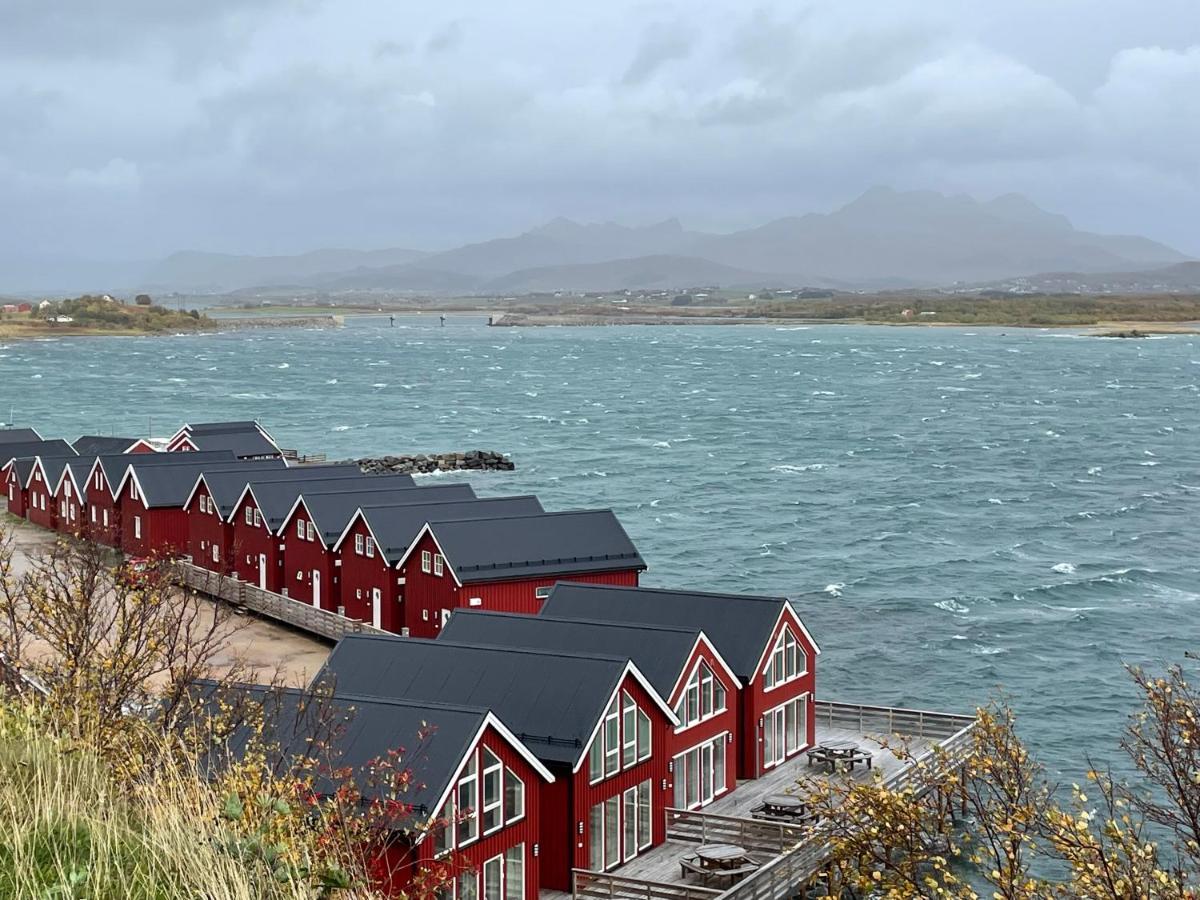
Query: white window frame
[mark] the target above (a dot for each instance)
(258, 519)
(786, 662)
(137, 527)
(312, 531)
(249, 516)
(300, 529)
(711, 783)
(369, 545)
(542, 593)
(439, 565)
(358, 544)
(492, 767)
(510, 779)
(426, 561)
(794, 741)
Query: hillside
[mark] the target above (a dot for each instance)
(98, 315)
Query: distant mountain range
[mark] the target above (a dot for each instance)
(883, 239)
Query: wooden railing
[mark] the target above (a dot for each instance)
(601, 885)
(276, 606)
(787, 875)
(705, 828)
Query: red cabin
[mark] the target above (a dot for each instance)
(681, 663)
(24, 444)
(70, 498)
(93, 445)
(595, 722)
(509, 563)
(373, 544)
(762, 638)
(150, 503)
(317, 519)
(476, 791)
(243, 440)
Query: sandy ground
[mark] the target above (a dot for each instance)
(264, 646)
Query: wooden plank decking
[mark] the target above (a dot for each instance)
(790, 856)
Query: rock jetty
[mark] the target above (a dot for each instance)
(474, 460)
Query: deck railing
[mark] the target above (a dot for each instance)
(276, 606)
(607, 886)
(785, 876)
(705, 828)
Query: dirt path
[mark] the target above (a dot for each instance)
(264, 646)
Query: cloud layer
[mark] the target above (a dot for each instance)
(134, 128)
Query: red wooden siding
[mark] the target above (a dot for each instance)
(727, 722)
(426, 595)
(69, 510)
(759, 701)
(40, 506)
(162, 530)
(250, 542)
(362, 575)
(556, 872)
(207, 531)
(302, 557)
(526, 830)
(14, 492)
(101, 507)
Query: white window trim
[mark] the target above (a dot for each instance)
(484, 807)
(777, 646)
(722, 738)
(802, 717)
(439, 565)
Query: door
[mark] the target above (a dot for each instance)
(773, 738)
(262, 571)
(316, 589)
(376, 608)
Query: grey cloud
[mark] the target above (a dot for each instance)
(446, 38)
(660, 44)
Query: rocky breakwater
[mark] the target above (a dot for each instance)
(419, 463)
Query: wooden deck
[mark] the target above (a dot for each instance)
(786, 854)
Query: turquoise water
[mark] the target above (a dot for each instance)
(953, 510)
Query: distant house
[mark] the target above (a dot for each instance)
(9, 308)
(63, 320)
(24, 307)
(45, 304)
(245, 440)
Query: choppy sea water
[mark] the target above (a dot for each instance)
(955, 511)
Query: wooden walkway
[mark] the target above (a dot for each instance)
(300, 615)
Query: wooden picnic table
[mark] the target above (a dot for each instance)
(840, 753)
(718, 861)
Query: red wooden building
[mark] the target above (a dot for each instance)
(210, 507)
(762, 638)
(476, 790)
(150, 498)
(375, 540)
(244, 440)
(595, 722)
(93, 445)
(13, 450)
(509, 563)
(681, 663)
(311, 569)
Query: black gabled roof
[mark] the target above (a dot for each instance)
(242, 444)
(541, 544)
(19, 436)
(661, 652)
(226, 487)
(52, 462)
(275, 499)
(434, 736)
(19, 450)
(739, 625)
(551, 701)
(164, 486)
(115, 464)
(100, 444)
(216, 427)
(396, 527)
(331, 510)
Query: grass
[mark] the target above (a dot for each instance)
(95, 316)
(70, 829)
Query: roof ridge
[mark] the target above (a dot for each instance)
(561, 512)
(466, 645)
(768, 598)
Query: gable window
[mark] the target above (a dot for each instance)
(514, 796)
(133, 491)
(702, 698)
(216, 553)
(438, 564)
(629, 730)
(786, 662)
(468, 804)
(358, 544)
(622, 740)
(300, 529)
(258, 520)
(93, 515)
(137, 527)
(312, 532)
(249, 516)
(612, 740)
(542, 593)
(370, 545)
(493, 795)
(426, 561)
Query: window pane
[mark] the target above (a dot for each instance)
(514, 873)
(491, 878)
(596, 760)
(645, 815)
(468, 885)
(706, 762)
(514, 796)
(789, 726)
(643, 735)
(596, 838)
(680, 799)
(719, 764)
(629, 824)
(718, 696)
(629, 725)
(769, 738)
(693, 778)
(443, 836)
(612, 831)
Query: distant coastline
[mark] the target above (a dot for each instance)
(18, 330)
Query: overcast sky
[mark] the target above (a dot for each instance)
(132, 128)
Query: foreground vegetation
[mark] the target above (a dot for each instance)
(97, 315)
(131, 768)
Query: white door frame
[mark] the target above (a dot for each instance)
(376, 608)
(316, 591)
(262, 571)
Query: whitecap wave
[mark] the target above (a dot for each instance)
(835, 589)
(952, 605)
(1064, 568)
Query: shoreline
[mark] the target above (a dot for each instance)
(34, 333)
